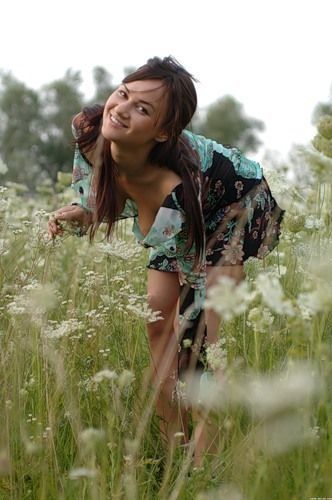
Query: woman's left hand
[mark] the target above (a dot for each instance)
(73, 214)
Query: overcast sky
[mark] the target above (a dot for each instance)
(273, 56)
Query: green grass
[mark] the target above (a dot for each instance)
(66, 435)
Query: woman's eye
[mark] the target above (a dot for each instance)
(141, 109)
(122, 93)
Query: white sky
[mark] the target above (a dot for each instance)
(273, 56)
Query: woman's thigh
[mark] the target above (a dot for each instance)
(163, 292)
(163, 295)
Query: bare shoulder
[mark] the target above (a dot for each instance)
(169, 180)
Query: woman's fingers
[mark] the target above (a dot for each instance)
(70, 213)
(53, 227)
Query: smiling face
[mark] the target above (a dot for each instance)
(133, 114)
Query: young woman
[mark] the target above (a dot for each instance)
(202, 208)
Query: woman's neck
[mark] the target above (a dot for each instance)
(131, 163)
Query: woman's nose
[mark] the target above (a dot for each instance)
(122, 108)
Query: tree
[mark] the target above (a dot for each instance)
(36, 134)
(103, 85)
(20, 128)
(226, 123)
(61, 100)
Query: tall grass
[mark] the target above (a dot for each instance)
(77, 414)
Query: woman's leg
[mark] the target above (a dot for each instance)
(163, 295)
(213, 274)
(206, 435)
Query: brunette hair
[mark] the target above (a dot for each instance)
(175, 153)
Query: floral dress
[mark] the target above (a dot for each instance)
(242, 220)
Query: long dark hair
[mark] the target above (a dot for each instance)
(175, 153)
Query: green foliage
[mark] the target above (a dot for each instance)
(226, 122)
(36, 138)
(60, 102)
(323, 140)
(20, 109)
(321, 109)
(103, 85)
(36, 128)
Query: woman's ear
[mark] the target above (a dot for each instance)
(162, 137)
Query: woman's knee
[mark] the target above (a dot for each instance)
(165, 312)
(163, 295)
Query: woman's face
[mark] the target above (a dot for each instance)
(133, 114)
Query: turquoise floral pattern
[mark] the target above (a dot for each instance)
(242, 220)
(81, 180)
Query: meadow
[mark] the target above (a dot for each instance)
(76, 405)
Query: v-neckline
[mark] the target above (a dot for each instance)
(171, 194)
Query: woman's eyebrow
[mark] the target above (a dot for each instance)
(140, 100)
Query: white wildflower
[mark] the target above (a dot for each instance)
(131, 446)
(91, 280)
(315, 301)
(319, 163)
(3, 167)
(312, 222)
(42, 297)
(80, 472)
(179, 435)
(180, 392)
(121, 249)
(41, 213)
(260, 319)
(263, 395)
(277, 177)
(282, 270)
(209, 388)
(90, 438)
(126, 378)
(4, 203)
(63, 329)
(216, 356)
(17, 307)
(306, 312)
(228, 298)
(283, 433)
(224, 492)
(104, 375)
(4, 247)
(143, 311)
(269, 394)
(268, 285)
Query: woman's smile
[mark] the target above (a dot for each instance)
(116, 122)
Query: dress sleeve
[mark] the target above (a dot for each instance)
(81, 177)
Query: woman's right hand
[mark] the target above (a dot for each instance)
(73, 214)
